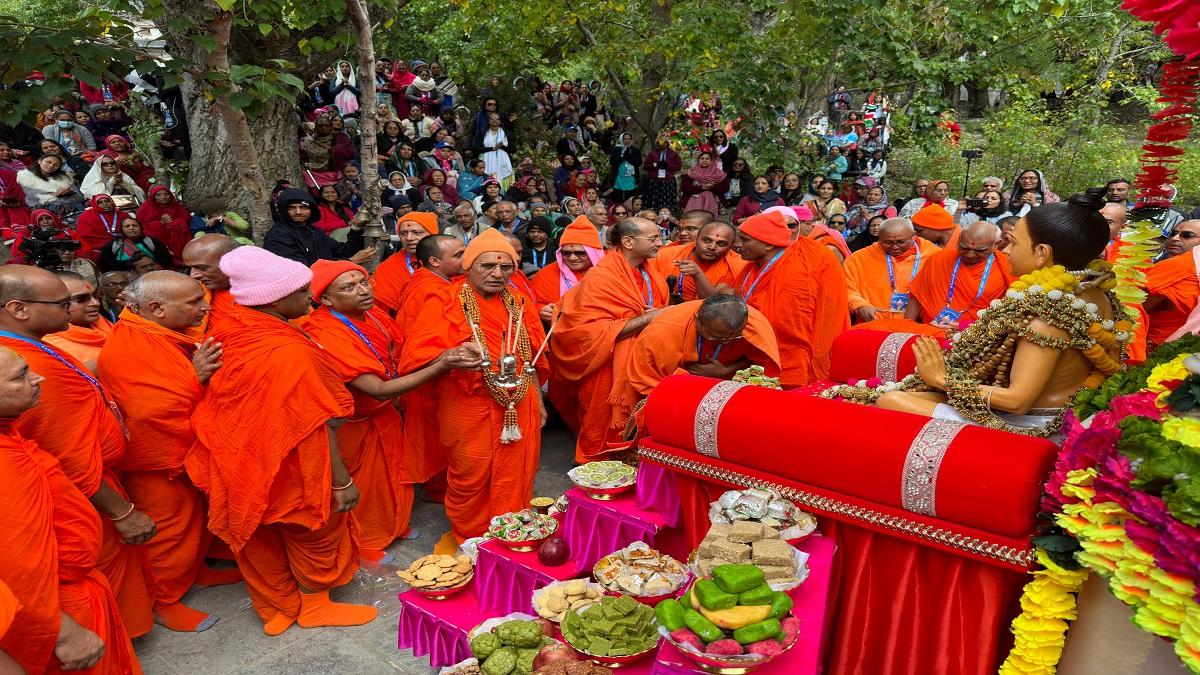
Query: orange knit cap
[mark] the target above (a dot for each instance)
(425, 219)
(769, 228)
(491, 241)
(326, 271)
(933, 217)
(582, 232)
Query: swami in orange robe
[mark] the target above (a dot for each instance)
(669, 344)
(50, 535)
(722, 271)
(800, 288)
(1174, 289)
(486, 475)
(372, 440)
(424, 456)
(147, 368)
(971, 291)
(83, 342)
(392, 274)
(263, 450)
(76, 424)
(588, 351)
(868, 283)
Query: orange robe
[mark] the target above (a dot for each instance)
(545, 284)
(1175, 279)
(424, 456)
(75, 424)
(587, 352)
(669, 343)
(484, 476)
(721, 271)
(372, 441)
(148, 370)
(867, 281)
(933, 284)
(9, 606)
(803, 295)
(389, 280)
(83, 343)
(547, 290)
(833, 240)
(219, 301)
(519, 283)
(50, 535)
(262, 457)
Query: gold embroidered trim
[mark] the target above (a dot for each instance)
(708, 416)
(973, 545)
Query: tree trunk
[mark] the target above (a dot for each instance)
(368, 213)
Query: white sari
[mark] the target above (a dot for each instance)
(497, 162)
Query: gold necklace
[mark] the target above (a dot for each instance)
(509, 384)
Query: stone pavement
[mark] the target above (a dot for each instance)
(237, 644)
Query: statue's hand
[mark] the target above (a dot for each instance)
(931, 362)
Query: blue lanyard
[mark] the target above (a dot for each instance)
(387, 365)
(649, 288)
(746, 293)
(987, 270)
(408, 262)
(536, 262)
(114, 231)
(916, 266)
(112, 406)
(700, 349)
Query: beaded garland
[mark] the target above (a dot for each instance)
(508, 398)
(982, 354)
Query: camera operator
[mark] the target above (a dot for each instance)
(985, 205)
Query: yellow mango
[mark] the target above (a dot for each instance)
(736, 617)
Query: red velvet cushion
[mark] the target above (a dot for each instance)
(856, 356)
(990, 480)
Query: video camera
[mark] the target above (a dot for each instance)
(44, 247)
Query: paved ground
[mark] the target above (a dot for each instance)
(237, 644)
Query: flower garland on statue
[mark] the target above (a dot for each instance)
(982, 354)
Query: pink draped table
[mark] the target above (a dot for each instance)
(595, 528)
(439, 627)
(656, 493)
(505, 579)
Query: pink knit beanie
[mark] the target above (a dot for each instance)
(259, 277)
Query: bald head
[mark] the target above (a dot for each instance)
(172, 300)
(714, 241)
(896, 236)
(33, 301)
(19, 387)
(723, 316)
(978, 241)
(203, 257)
(1184, 238)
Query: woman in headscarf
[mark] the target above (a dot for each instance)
(869, 235)
(388, 138)
(658, 186)
(494, 149)
(825, 204)
(760, 198)
(131, 245)
(938, 193)
(875, 204)
(490, 192)
(701, 185)
(1029, 190)
(438, 178)
(423, 91)
(523, 189)
(163, 217)
(616, 213)
(106, 178)
(333, 212)
(13, 209)
(72, 165)
(344, 88)
(567, 166)
(118, 146)
(325, 151)
(792, 189)
(8, 158)
(396, 186)
(446, 159)
(401, 78)
(625, 162)
(404, 161)
(47, 186)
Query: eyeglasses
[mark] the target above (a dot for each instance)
(574, 254)
(657, 239)
(82, 298)
(895, 244)
(62, 304)
(488, 268)
(1184, 235)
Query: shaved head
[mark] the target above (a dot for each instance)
(896, 236)
(30, 300)
(898, 226)
(978, 241)
(19, 387)
(172, 300)
(203, 256)
(714, 241)
(730, 311)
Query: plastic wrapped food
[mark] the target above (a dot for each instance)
(640, 570)
(746, 505)
(603, 474)
(526, 525)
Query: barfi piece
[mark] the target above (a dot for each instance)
(773, 552)
(745, 532)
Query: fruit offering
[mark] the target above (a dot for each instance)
(615, 626)
(526, 525)
(438, 572)
(757, 376)
(640, 570)
(733, 613)
(748, 542)
(605, 474)
(510, 647)
(554, 601)
(764, 506)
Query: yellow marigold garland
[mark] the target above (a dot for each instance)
(1039, 631)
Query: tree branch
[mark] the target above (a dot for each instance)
(612, 75)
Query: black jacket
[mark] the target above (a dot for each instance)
(305, 243)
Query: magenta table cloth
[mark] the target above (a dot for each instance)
(505, 579)
(593, 528)
(811, 603)
(656, 493)
(439, 627)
